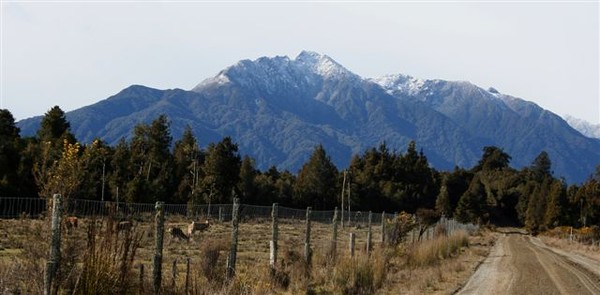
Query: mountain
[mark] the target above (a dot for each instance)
(586, 128)
(521, 128)
(278, 109)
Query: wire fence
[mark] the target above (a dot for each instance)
(36, 208)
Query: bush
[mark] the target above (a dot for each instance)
(399, 227)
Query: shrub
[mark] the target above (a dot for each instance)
(399, 227)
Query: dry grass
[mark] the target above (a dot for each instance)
(24, 250)
(592, 251)
(433, 251)
(440, 276)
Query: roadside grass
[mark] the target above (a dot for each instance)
(433, 251)
(592, 251)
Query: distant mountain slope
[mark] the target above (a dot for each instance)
(522, 128)
(586, 128)
(277, 109)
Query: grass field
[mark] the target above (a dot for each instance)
(24, 250)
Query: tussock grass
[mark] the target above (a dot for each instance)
(432, 251)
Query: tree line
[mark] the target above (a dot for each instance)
(151, 167)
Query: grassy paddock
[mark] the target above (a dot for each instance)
(99, 260)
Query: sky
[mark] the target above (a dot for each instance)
(73, 54)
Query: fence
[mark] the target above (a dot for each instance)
(36, 207)
(361, 227)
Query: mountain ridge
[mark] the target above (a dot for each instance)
(277, 109)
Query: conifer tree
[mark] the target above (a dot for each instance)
(221, 171)
(247, 185)
(188, 159)
(472, 205)
(315, 185)
(9, 155)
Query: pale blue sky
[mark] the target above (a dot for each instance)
(73, 54)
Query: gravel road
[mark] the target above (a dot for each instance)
(521, 264)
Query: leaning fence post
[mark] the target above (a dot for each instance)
(230, 272)
(334, 236)
(274, 235)
(307, 253)
(369, 234)
(54, 258)
(352, 240)
(383, 228)
(158, 249)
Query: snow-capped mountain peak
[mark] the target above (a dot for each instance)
(321, 64)
(584, 127)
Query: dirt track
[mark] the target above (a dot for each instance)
(521, 264)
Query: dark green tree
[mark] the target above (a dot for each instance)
(493, 158)
(316, 181)
(9, 155)
(97, 167)
(247, 185)
(121, 171)
(541, 166)
(152, 162)
(188, 159)
(536, 206)
(442, 204)
(472, 206)
(221, 171)
(55, 128)
(555, 209)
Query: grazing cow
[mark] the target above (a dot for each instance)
(70, 223)
(192, 227)
(177, 233)
(124, 226)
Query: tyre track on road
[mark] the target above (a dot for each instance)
(520, 264)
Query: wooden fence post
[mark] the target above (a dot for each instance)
(274, 235)
(54, 258)
(230, 272)
(142, 277)
(158, 248)
(187, 276)
(174, 273)
(369, 233)
(383, 228)
(352, 240)
(307, 254)
(220, 214)
(333, 248)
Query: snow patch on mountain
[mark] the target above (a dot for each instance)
(584, 127)
(400, 83)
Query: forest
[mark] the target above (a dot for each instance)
(152, 167)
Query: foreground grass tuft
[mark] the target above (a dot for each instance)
(432, 251)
